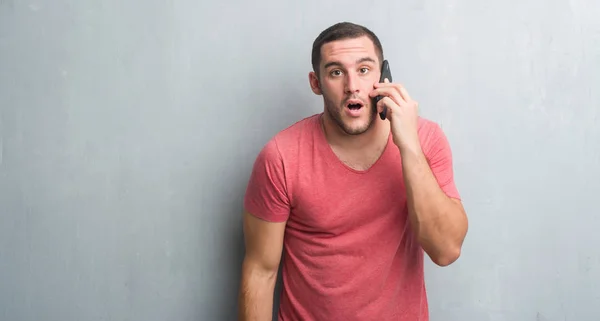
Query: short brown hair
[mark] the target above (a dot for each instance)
(340, 31)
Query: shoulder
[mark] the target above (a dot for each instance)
(290, 139)
(428, 128)
(431, 136)
(285, 145)
(294, 132)
(269, 191)
(436, 148)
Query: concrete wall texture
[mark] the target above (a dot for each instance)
(128, 130)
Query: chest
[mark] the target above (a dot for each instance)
(359, 161)
(335, 202)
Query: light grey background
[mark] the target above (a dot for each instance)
(128, 130)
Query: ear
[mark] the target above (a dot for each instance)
(314, 83)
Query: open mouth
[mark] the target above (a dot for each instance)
(354, 105)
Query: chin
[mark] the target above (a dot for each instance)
(356, 126)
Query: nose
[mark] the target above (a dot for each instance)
(352, 83)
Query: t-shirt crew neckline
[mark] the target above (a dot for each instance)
(332, 158)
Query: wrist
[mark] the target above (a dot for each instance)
(408, 149)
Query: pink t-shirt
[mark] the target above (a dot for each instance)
(349, 251)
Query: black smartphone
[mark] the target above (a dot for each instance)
(385, 73)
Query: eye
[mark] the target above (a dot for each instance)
(364, 70)
(335, 72)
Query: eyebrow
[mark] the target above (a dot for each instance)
(337, 63)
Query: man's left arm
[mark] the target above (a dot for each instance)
(435, 209)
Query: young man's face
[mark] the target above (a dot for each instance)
(348, 70)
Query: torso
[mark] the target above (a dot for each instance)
(349, 253)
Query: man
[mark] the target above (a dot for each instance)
(353, 201)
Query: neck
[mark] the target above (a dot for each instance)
(374, 138)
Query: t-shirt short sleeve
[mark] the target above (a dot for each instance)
(266, 194)
(439, 156)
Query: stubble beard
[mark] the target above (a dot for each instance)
(335, 114)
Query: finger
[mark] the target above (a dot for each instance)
(399, 87)
(404, 93)
(390, 92)
(387, 83)
(387, 103)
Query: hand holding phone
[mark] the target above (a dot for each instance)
(385, 73)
